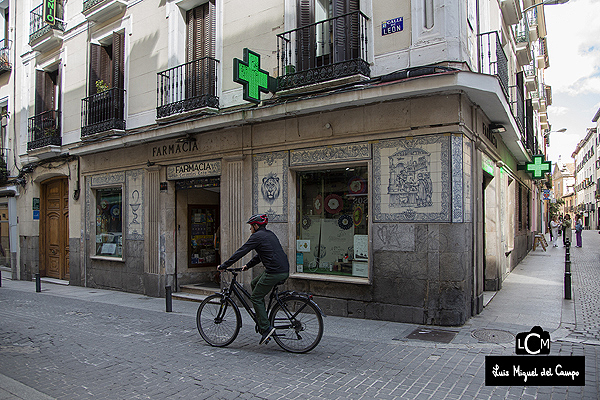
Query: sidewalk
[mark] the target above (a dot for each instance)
(532, 294)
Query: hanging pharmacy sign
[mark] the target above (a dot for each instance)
(247, 73)
(50, 12)
(538, 167)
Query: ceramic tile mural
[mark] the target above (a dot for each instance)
(412, 179)
(467, 179)
(457, 178)
(134, 201)
(270, 186)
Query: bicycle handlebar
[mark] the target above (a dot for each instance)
(232, 269)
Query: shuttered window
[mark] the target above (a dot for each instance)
(329, 41)
(107, 63)
(200, 44)
(47, 95)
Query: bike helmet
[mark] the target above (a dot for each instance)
(259, 219)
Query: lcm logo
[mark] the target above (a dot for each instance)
(536, 341)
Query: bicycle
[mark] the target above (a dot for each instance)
(298, 320)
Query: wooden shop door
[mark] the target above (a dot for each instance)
(54, 229)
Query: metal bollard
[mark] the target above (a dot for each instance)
(0, 278)
(568, 269)
(169, 298)
(38, 283)
(567, 285)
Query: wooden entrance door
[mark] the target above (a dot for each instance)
(54, 229)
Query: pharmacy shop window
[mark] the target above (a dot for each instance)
(332, 227)
(109, 222)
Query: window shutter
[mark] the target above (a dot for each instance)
(306, 37)
(40, 77)
(95, 51)
(200, 72)
(118, 62)
(106, 73)
(346, 30)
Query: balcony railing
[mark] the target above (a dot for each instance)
(517, 106)
(5, 64)
(521, 31)
(4, 165)
(187, 87)
(44, 130)
(493, 60)
(326, 50)
(103, 112)
(37, 26)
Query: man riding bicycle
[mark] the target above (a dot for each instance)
(270, 253)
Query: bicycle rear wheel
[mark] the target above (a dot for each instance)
(218, 320)
(299, 324)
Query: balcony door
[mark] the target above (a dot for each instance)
(200, 49)
(107, 82)
(328, 34)
(47, 103)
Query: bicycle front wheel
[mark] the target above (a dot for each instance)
(299, 324)
(218, 320)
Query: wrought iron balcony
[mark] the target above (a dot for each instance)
(44, 130)
(102, 112)
(4, 165)
(103, 10)
(187, 87)
(43, 36)
(493, 60)
(5, 64)
(326, 50)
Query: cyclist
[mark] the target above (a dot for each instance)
(270, 253)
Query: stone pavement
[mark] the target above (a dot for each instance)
(81, 343)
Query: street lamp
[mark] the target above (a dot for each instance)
(545, 3)
(547, 134)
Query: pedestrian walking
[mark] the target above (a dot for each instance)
(578, 229)
(554, 225)
(567, 230)
(550, 229)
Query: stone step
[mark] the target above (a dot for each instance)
(204, 289)
(188, 297)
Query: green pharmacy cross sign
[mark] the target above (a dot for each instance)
(538, 167)
(254, 79)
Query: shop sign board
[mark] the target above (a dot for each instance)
(50, 12)
(192, 170)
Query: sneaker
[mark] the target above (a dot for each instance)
(265, 337)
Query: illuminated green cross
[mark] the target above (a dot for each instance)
(538, 167)
(254, 79)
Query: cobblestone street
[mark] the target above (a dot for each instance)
(79, 343)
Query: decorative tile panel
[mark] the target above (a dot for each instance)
(319, 155)
(134, 197)
(108, 179)
(270, 185)
(412, 179)
(468, 190)
(457, 178)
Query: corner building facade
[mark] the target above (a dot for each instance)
(388, 162)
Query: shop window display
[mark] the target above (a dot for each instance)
(109, 222)
(204, 236)
(332, 222)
